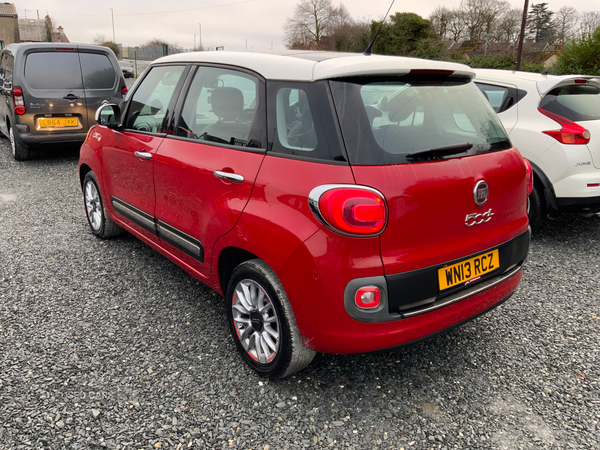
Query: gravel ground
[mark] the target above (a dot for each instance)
(107, 344)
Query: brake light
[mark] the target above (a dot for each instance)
(349, 209)
(570, 133)
(529, 176)
(18, 100)
(123, 91)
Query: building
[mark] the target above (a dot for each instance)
(9, 25)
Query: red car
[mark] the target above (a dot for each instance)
(340, 203)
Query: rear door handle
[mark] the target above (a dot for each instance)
(143, 155)
(71, 97)
(229, 176)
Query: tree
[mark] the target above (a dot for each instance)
(589, 22)
(540, 22)
(509, 26)
(402, 35)
(480, 16)
(456, 25)
(100, 39)
(565, 22)
(580, 56)
(309, 24)
(49, 29)
(440, 18)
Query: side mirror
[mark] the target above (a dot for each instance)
(109, 115)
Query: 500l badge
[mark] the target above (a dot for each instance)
(478, 219)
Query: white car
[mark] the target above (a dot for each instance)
(554, 121)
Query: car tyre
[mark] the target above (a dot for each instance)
(262, 322)
(537, 208)
(98, 219)
(19, 151)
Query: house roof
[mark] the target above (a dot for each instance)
(8, 10)
(32, 30)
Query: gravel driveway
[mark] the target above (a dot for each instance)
(107, 344)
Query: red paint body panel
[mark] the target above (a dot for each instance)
(429, 201)
(278, 218)
(127, 177)
(192, 199)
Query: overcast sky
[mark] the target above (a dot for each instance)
(234, 24)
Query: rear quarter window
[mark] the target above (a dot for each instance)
(577, 103)
(53, 70)
(98, 72)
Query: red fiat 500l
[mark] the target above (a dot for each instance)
(341, 203)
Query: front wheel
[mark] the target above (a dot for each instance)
(262, 322)
(99, 221)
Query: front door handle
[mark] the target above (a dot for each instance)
(143, 155)
(229, 176)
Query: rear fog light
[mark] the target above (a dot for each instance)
(368, 297)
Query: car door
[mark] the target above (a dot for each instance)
(128, 158)
(205, 170)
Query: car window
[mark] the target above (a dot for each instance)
(384, 120)
(148, 106)
(98, 72)
(222, 107)
(295, 125)
(577, 103)
(53, 70)
(494, 94)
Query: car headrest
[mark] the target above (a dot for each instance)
(227, 103)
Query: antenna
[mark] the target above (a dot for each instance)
(367, 52)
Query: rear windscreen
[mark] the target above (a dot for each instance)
(98, 72)
(53, 70)
(383, 120)
(577, 103)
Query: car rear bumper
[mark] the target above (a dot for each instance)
(34, 140)
(579, 204)
(322, 310)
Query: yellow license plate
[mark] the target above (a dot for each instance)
(59, 122)
(468, 270)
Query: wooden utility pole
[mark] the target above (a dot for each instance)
(522, 35)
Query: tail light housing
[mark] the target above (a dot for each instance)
(18, 100)
(570, 133)
(349, 209)
(529, 176)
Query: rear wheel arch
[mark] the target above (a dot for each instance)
(545, 187)
(229, 259)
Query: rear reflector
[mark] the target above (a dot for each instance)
(570, 133)
(368, 297)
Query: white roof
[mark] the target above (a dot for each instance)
(311, 66)
(544, 82)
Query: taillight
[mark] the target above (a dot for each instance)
(368, 297)
(570, 133)
(348, 209)
(529, 176)
(123, 91)
(18, 100)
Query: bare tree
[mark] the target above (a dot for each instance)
(440, 18)
(309, 24)
(509, 26)
(565, 23)
(481, 15)
(589, 21)
(456, 27)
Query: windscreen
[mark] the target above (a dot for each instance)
(577, 103)
(384, 120)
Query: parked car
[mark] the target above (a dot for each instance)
(51, 92)
(554, 121)
(127, 68)
(341, 203)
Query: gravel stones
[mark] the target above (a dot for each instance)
(107, 344)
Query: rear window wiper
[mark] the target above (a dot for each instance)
(441, 151)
